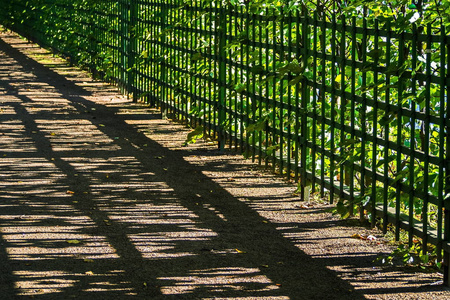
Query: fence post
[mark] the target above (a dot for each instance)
(446, 240)
(132, 49)
(222, 76)
(304, 182)
(123, 20)
(163, 79)
(447, 180)
(92, 39)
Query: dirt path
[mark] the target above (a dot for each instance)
(98, 200)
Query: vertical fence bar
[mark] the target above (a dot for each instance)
(93, 34)
(260, 91)
(399, 163)
(209, 82)
(274, 95)
(248, 73)
(254, 103)
(123, 11)
(141, 77)
(229, 78)
(178, 82)
(375, 118)
(197, 80)
(412, 138)
(446, 264)
(280, 128)
(385, 119)
(426, 146)
(447, 168)
(162, 58)
(149, 39)
(353, 117)
(304, 193)
(222, 76)
(289, 96)
(117, 41)
(267, 96)
(194, 64)
(314, 104)
(172, 107)
(343, 174)
(297, 128)
(237, 123)
(323, 99)
(214, 95)
(333, 109)
(132, 49)
(364, 139)
(442, 130)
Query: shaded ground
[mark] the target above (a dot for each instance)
(98, 200)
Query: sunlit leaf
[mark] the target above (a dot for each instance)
(192, 137)
(73, 241)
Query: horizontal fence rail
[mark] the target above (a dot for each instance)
(350, 107)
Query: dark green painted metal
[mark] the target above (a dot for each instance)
(426, 146)
(333, 108)
(386, 130)
(399, 138)
(442, 99)
(446, 161)
(303, 111)
(412, 143)
(222, 77)
(323, 85)
(375, 127)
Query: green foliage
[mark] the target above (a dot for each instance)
(194, 135)
(412, 256)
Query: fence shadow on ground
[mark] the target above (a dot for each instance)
(93, 208)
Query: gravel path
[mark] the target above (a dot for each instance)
(99, 200)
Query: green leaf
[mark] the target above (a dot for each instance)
(196, 57)
(73, 241)
(296, 80)
(240, 88)
(271, 149)
(259, 126)
(292, 67)
(375, 53)
(258, 69)
(348, 142)
(194, 135)
(425, 258)
(342, 210)
(400, 175)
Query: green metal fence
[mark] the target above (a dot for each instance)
(349, 107)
